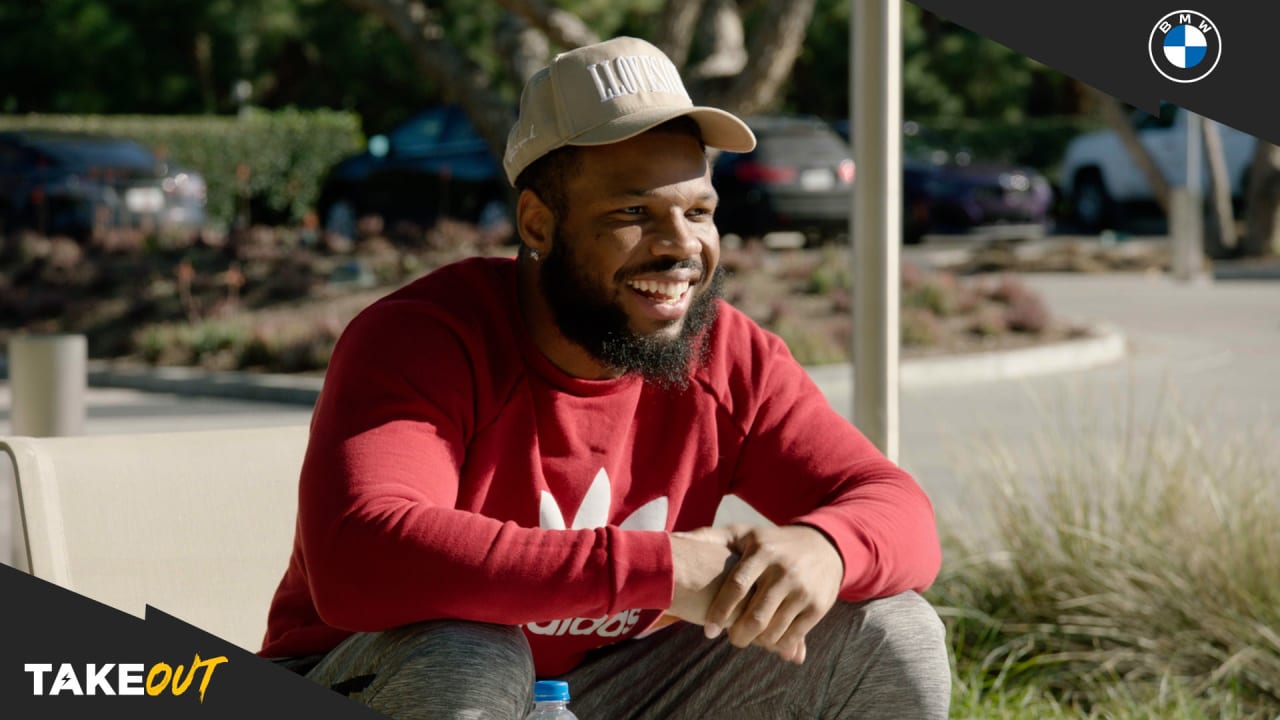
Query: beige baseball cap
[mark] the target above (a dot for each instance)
(606, 93)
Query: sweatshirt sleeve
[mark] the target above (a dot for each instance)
(803, 463)
(382, 541)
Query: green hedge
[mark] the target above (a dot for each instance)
(1035, 142)
(286, 153)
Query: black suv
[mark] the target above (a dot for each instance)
(433, 165)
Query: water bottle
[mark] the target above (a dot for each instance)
(551, 701)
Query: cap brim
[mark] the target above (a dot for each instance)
(720, 129)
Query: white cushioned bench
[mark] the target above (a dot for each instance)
(197, 524)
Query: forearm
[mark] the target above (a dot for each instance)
(380, 567)
(885, 531)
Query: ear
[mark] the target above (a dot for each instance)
(535, 222)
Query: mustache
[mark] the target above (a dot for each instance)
(663, 265)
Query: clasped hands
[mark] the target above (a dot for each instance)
(762, 585)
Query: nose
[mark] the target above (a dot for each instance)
(679, 238)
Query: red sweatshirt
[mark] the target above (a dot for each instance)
(454, 472)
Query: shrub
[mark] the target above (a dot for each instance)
(811, 345)
(1008, 289)
(274, 161)
(937, 293)
(920, 328)
(988, 321)
(1144, 563)
(1036, 142)
(1027, 313)
(832, 272)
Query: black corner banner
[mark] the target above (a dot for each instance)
(1211, 57)
(63, 655)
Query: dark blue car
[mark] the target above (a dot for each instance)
(946, 191)
(67, 183)
(431, 166)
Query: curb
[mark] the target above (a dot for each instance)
(286, 389)
(1106, 345)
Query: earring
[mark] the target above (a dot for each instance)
(533, 255)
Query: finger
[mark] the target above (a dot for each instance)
(760, 612)
(796, 654)
(783, 618)
(804, 622)
(789, 654)
(728, 602)
(733, 616)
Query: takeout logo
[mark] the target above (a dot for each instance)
(121, 678)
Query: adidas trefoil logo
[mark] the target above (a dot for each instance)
(594, 513)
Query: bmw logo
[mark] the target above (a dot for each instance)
(1185, 46)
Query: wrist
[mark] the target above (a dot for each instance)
(697, 567)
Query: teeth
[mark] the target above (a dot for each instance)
(668, 291)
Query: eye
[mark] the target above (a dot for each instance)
(633, 210)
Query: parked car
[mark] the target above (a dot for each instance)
(71, 183)
(798, 178)
(945, 190)
(430, 166)
(1100, 178)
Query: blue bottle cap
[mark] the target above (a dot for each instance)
(551, 691)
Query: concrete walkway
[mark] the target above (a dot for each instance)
(1210, 352)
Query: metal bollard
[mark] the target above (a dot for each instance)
(48, 375)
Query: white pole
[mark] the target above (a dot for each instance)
(48, 375)
(875, 98)
(47, 379)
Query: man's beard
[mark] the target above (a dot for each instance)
(591, 318)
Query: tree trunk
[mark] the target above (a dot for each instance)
(463, 82)
(203, 52)
(676, 27)
(722, 26)
(1262, 231)
(524, 48)
(1220, 237)
(561, 26)
(1118, 120)
(770, 55)
(772, 49)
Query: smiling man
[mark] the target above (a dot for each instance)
(514, 466)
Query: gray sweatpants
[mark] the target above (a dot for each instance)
(876, 660)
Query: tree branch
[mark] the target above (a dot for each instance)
(1262, 202)
(1118, 120)
(676, 26)
(524, 47)
(772, 50)
(1224, 214)
(461, 80)
(722, 25)
(561, 26)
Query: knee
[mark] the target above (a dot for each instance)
(898, 647)
(460, 644)
(901, 630)
(473, 665)
(906, 619)
(907, 633)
